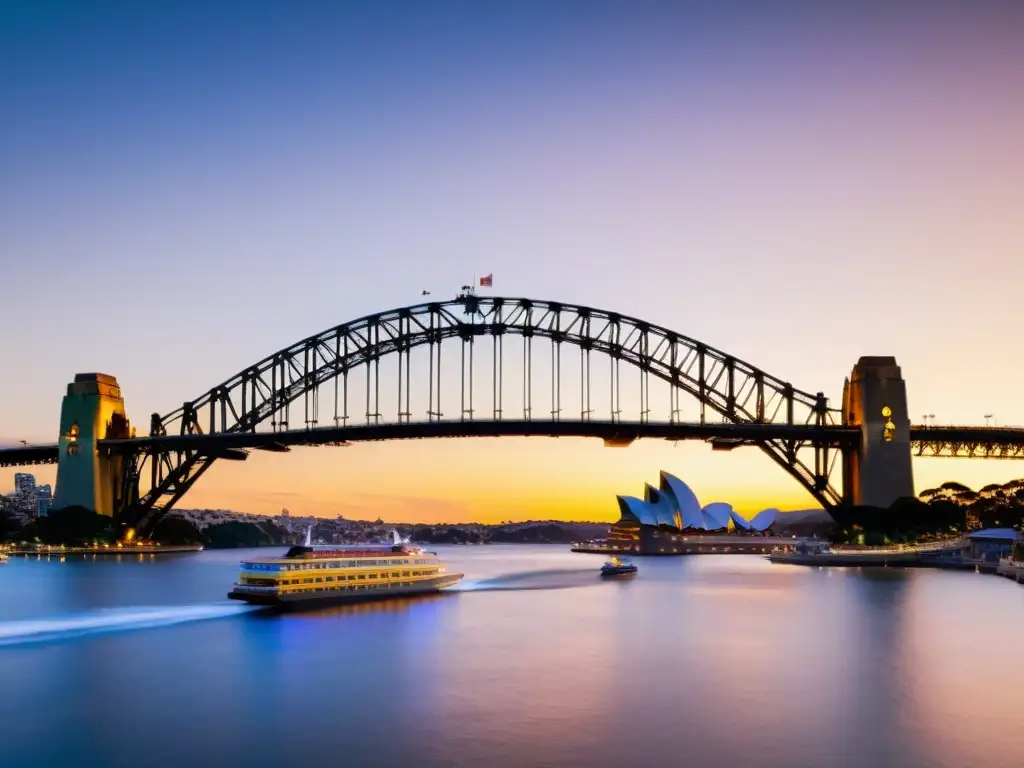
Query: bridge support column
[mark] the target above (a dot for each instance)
(878, 471)
(92, 410)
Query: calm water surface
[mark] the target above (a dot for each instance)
(710, 661)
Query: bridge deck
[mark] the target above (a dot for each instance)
(966, 442)
(611, 431)
(25, 455)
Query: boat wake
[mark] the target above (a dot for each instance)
(104, 621)
(553, 579)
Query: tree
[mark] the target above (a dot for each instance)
(953, 486)
(9, 527)
(178, 531)
(73, 527)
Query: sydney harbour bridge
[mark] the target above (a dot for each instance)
(491, 367)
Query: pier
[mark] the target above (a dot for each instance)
(819, 553)
(722, 544)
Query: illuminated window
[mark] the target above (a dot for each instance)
(889, 428)
(73, 439)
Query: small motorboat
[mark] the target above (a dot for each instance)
(617, 567)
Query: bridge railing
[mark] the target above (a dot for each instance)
(1008, 428)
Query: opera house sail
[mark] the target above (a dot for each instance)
(657, 522)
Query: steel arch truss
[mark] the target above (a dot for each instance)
(284, 389)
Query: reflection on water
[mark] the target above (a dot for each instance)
(532, 660)
(391, 605)
(556, 578)
(107, 620)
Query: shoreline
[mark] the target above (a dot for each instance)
(58, 551)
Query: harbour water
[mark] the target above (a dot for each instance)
(533, 661)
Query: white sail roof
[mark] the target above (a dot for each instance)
(739, 521)
(685, 501)
(674, 504)
(716, 515)
(664, 506)
(764, 519)
(638, 510)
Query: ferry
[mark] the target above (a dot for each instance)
(311, 577)
(618, 567)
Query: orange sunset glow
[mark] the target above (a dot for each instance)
(798, 199)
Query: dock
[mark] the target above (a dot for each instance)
(722, 544)
(904, 557)
(1011, 569)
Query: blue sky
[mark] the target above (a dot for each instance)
(185, 188)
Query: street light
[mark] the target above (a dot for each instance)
(988, 416)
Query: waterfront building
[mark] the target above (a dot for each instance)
(990, 544)
(658, 521)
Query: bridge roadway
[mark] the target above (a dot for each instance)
(945, 441)
(228, 444)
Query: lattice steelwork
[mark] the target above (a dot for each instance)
(968, 442)
(313, 381)
(455, 373)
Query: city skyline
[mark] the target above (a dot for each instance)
(797, 189)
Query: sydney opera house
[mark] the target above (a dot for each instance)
(667, 513)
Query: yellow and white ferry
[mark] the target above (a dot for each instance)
(311, 577)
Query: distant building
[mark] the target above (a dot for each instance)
(26, 493)
(44, 500)
(24, 483)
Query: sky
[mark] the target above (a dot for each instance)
(186, 188)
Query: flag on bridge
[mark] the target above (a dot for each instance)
(487, 281)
